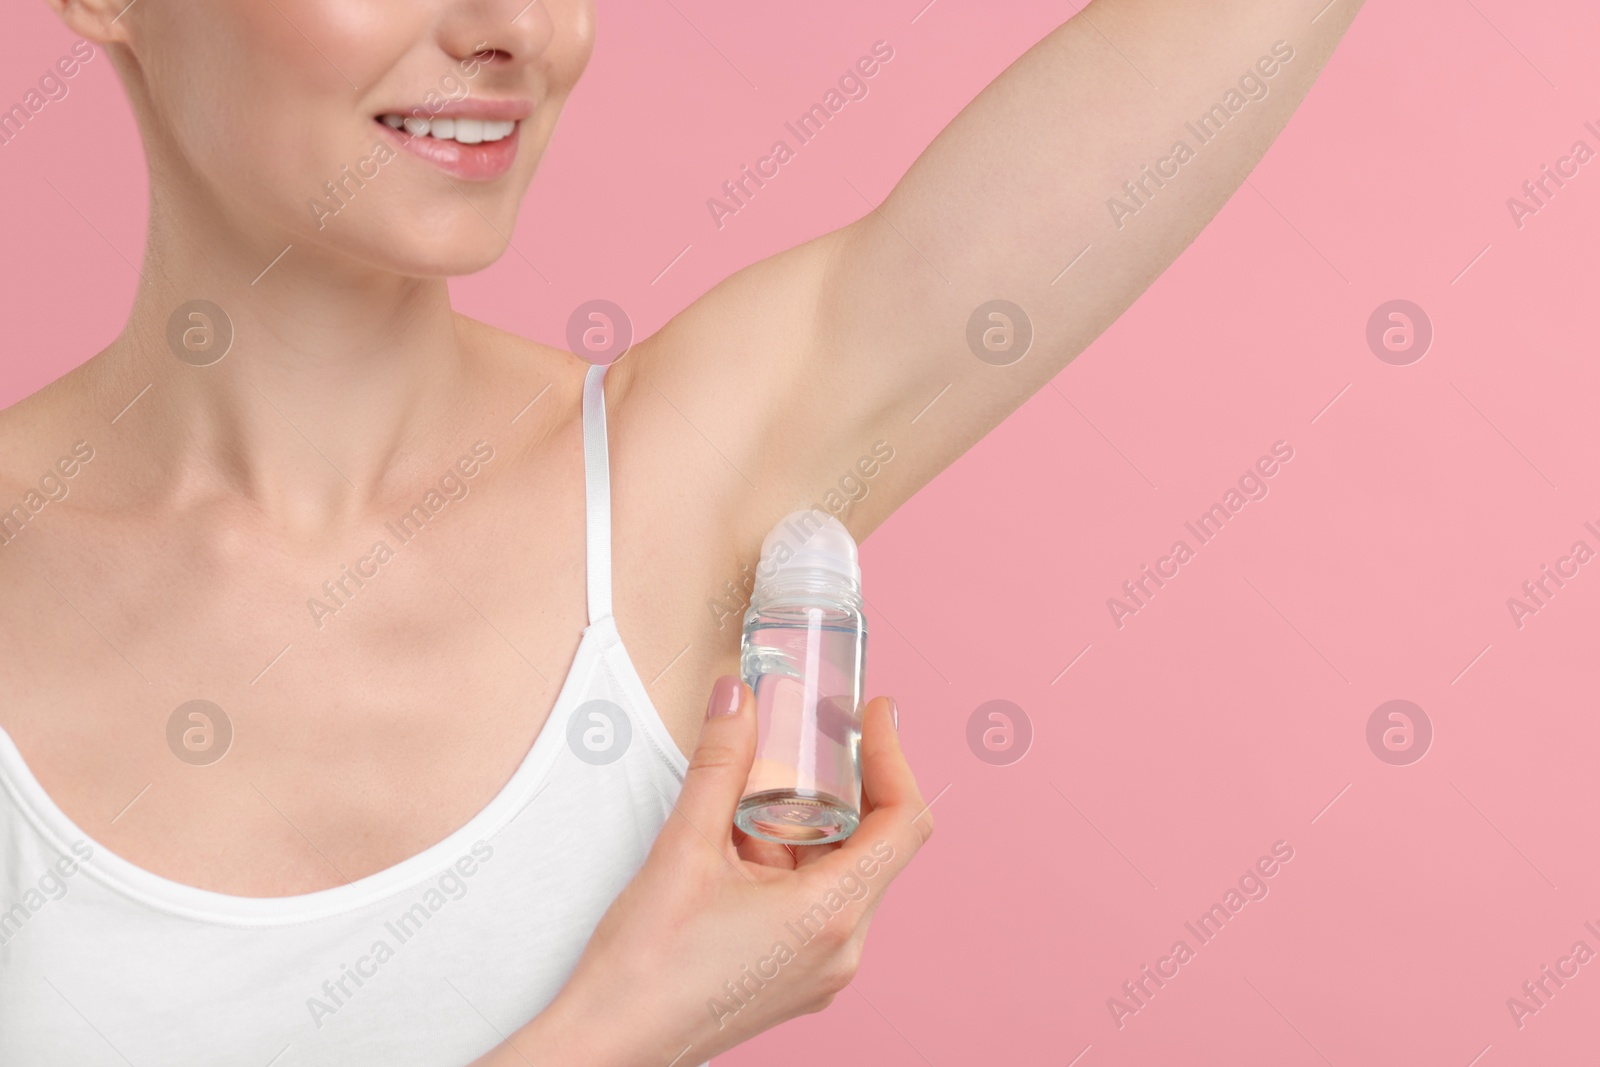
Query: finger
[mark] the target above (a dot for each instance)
(810, 854)
(886, 779)
(897, 822)
(806, 855)
(720, 765)
(766, 853)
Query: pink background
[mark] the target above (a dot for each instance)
(1230, 712)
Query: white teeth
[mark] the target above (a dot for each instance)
(460, 130)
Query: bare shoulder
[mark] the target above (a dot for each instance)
(47, 440)
(512, 365)
(52, 446)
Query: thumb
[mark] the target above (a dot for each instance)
(720, 766)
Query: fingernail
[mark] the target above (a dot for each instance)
(725, 697)
(894, 713)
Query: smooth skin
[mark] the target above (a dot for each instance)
(222, 498)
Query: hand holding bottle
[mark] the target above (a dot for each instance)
(719, 936)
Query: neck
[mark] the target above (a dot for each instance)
(335, 373)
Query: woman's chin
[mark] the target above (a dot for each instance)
(455, 262)
(424, 255)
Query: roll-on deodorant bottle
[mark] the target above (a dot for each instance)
(803, 654)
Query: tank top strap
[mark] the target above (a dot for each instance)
(597, 492)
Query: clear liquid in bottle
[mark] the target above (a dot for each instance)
(803, 654)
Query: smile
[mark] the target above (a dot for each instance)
(477, 148)
(459, 130)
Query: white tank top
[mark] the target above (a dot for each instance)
(429, 962)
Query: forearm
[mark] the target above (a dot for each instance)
(563, 1035)
(1115, 138)
(1086, 118)
(1151, 113)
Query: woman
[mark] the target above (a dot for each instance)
(302, 516)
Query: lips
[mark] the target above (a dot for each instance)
(473, 143)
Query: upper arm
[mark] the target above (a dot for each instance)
(813, 360)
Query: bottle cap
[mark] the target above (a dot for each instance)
(811, 546)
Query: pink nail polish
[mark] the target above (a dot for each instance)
(894, 713)
(725, 697)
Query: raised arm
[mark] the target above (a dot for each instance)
(1105, 148)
